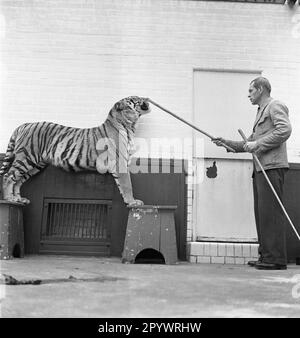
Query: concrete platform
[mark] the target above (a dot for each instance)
(104, 287)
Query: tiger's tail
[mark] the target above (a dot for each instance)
(9, 156)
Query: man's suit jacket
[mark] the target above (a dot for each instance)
(271, 129)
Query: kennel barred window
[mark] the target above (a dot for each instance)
(74, 226)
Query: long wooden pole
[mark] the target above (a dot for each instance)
(271, 186)
(189, 124)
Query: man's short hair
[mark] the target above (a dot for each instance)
(262, 82)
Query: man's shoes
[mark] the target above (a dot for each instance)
(270, 266)
(253, 263)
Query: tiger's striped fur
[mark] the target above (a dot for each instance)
(107, 148)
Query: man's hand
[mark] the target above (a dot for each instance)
(219, 141)
(251, 147)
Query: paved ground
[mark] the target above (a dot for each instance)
(104, 287)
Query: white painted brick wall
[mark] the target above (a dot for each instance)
(246, 250)
(213, 249)
(229, 260)
(239, 260)
(222, 253)
(222, 249)
(203, 259)
(253, 250)
(68, 61)
(229, 250)
(237, 250)
(217, 260)
(206, 249)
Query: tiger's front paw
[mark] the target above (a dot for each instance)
(24, 200)
(17, 199)
(135, 203)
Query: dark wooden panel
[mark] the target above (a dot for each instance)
(58, 184)
(164, 189)
(75, 248)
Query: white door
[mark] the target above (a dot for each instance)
(223, 198)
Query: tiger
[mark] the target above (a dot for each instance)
(107, 148)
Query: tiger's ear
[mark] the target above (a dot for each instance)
(120, 106)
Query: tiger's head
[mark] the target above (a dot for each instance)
(128, 110)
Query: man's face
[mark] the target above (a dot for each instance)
(254, 94)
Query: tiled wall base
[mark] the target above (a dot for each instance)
(222, 253)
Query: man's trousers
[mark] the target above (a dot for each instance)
(269, 217)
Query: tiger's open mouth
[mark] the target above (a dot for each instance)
(144, 108)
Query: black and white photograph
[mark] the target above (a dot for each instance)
(149, 163)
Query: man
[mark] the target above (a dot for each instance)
(268, 141)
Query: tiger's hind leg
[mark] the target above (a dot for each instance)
(16, 190)
(19, 173)
(8, 188)
(18, 185)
